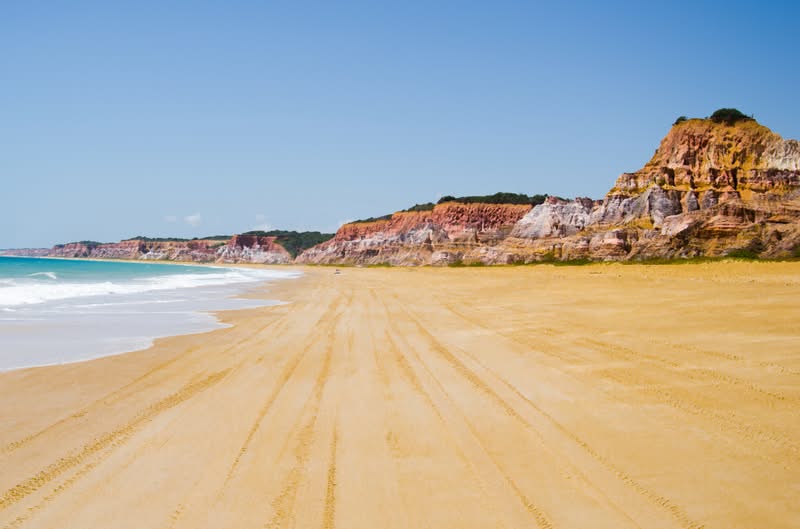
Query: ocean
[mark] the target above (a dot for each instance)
(55, 311)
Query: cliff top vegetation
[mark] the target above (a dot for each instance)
(178, 239)
(729, 116)
(497, 198)
(85, 243)
(295, 242)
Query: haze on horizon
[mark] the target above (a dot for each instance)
(214, 118)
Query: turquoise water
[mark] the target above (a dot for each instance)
(58, 310)
(75, 270)
(25, 281)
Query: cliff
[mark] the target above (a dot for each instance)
(438, 236)
(25, 252)
(253, 249)
(712, 188)
(272, 247)
(238, 249)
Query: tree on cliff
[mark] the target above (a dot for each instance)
(294, 241)
(497, 198)
(729, 116)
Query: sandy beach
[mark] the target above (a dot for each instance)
(603, 396)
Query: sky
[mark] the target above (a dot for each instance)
(200, 118)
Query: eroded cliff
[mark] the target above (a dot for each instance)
(238, 249)
(439, 236)
(712, 188)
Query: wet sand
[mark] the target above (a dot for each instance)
(604, 396)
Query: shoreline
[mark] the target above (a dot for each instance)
(655, 261)
(395, 392)
(81, 328)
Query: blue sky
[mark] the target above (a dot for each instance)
(200, 118)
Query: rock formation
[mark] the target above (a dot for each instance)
(714, 187)
(711, 189)
(253, 249)
(238, 249)
(26, 252)
(439, 236)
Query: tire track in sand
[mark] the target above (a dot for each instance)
(724, 421)
(675, 511)
(542, 521)
(692, 373)
(119, 393)
(14, 445)
(329, 512)
(110, 440)
(284, 377)
(679, 400)
(115, 395)
(283, 504)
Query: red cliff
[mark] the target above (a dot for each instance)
(238, 249)
(712, 188)
(440, 235)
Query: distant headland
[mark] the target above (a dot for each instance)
(719, 186)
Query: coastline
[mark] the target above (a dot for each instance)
(374, 398)
(76, 325)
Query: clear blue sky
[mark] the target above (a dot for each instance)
(199, 118)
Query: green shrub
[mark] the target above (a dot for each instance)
(372, 219)
(574, 262)
(89, 244)
(729, 116)
(427, 206)
(459, 263)
(680, 119)
(742, 253)
(295, 242)
(497, 198)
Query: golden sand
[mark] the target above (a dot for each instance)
(604, 396)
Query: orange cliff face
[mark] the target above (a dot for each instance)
(711, 189)
(436, 236)
(703, 155)
(455, 218)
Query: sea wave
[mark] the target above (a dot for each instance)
(39, 292)
(51, 275)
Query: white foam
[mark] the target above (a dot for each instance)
(72, 327)
(34, 293)
(51, 275)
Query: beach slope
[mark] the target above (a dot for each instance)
(603, 396)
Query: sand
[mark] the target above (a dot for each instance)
(604, 396)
